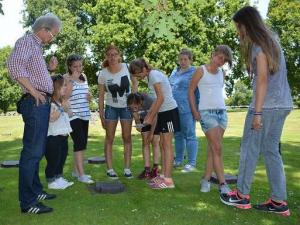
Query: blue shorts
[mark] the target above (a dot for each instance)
(113, 113)
(212, 118)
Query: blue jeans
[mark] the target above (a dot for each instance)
(36, 120)
(265, 142)
(186, 139)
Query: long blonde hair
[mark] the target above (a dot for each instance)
(254, 31)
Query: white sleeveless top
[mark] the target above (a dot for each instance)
(211, 90)
(61, 126)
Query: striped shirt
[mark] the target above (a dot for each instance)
(79, 103)
(27, 60)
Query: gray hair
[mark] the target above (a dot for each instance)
(186, 52)
(47, 21)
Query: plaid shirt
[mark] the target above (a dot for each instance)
(26, 60)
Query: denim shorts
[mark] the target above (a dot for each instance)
(213, 118)
(113, 113)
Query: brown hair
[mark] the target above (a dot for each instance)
(226, 51)
(108, 48)
(70, 60)
(58, 83)
(255, 31)
(137, 65)
(134, 98)
(186, 52)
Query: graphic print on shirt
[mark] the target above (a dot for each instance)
(115, 89)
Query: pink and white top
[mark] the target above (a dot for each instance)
(27, 60)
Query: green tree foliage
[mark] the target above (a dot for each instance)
(9, 90)
(241, 95)
(284, 18)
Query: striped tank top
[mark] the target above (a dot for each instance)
(79, 103)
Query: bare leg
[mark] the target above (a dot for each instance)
(109, 139)
(126, 135)
(168, 153)
(214, 137)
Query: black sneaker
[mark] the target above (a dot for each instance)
(127, 173)
(38, 208)
(112, 174)
(45, 196)
(273, 207)
(233, 199)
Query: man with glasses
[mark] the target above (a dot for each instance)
(27, 66)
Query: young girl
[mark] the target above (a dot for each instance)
(58, 132)
(139, 105)
(79, 100)
(114, 81)
(271, 103)
(212, 112)
(185, 139)
(165, 108)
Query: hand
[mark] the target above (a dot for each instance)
(148, 120)
(89, 97)
(55, 114)
(197, 115)
(256, 122)
(39, 97)
(65, 105)
(52, 63)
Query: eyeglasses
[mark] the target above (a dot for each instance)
(51, 34)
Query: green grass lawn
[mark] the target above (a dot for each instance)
(140, 205)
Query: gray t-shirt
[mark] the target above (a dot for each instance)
(278, 94)
(155, 77)
(147, 103)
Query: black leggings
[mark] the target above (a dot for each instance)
(56, 155)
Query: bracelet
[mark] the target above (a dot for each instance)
(257, 113)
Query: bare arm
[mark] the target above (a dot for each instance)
(193, 85)
(101, 89)
(134, 83)
(155, 105)
(261, 87)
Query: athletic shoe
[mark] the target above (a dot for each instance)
(177, 164)
(155, 180)
(56, 185)
(233, 199)
(154, 172)
(188, 168)
(205, 185)
(127, 173)
(274, 207)
(76, 175)
(145, 174)
(45, 196)
(38, 208)
(64, 182)
(163, 185)
(112, 174)
(85, 179)
(224, 189)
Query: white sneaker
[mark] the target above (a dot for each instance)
(205, 185)
(127, 173)
(56, 185)
(224, 189)
(64, 182)
(188, 168)
(76, 175)
(85, 179)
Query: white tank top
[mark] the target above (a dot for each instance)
(211, 90)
